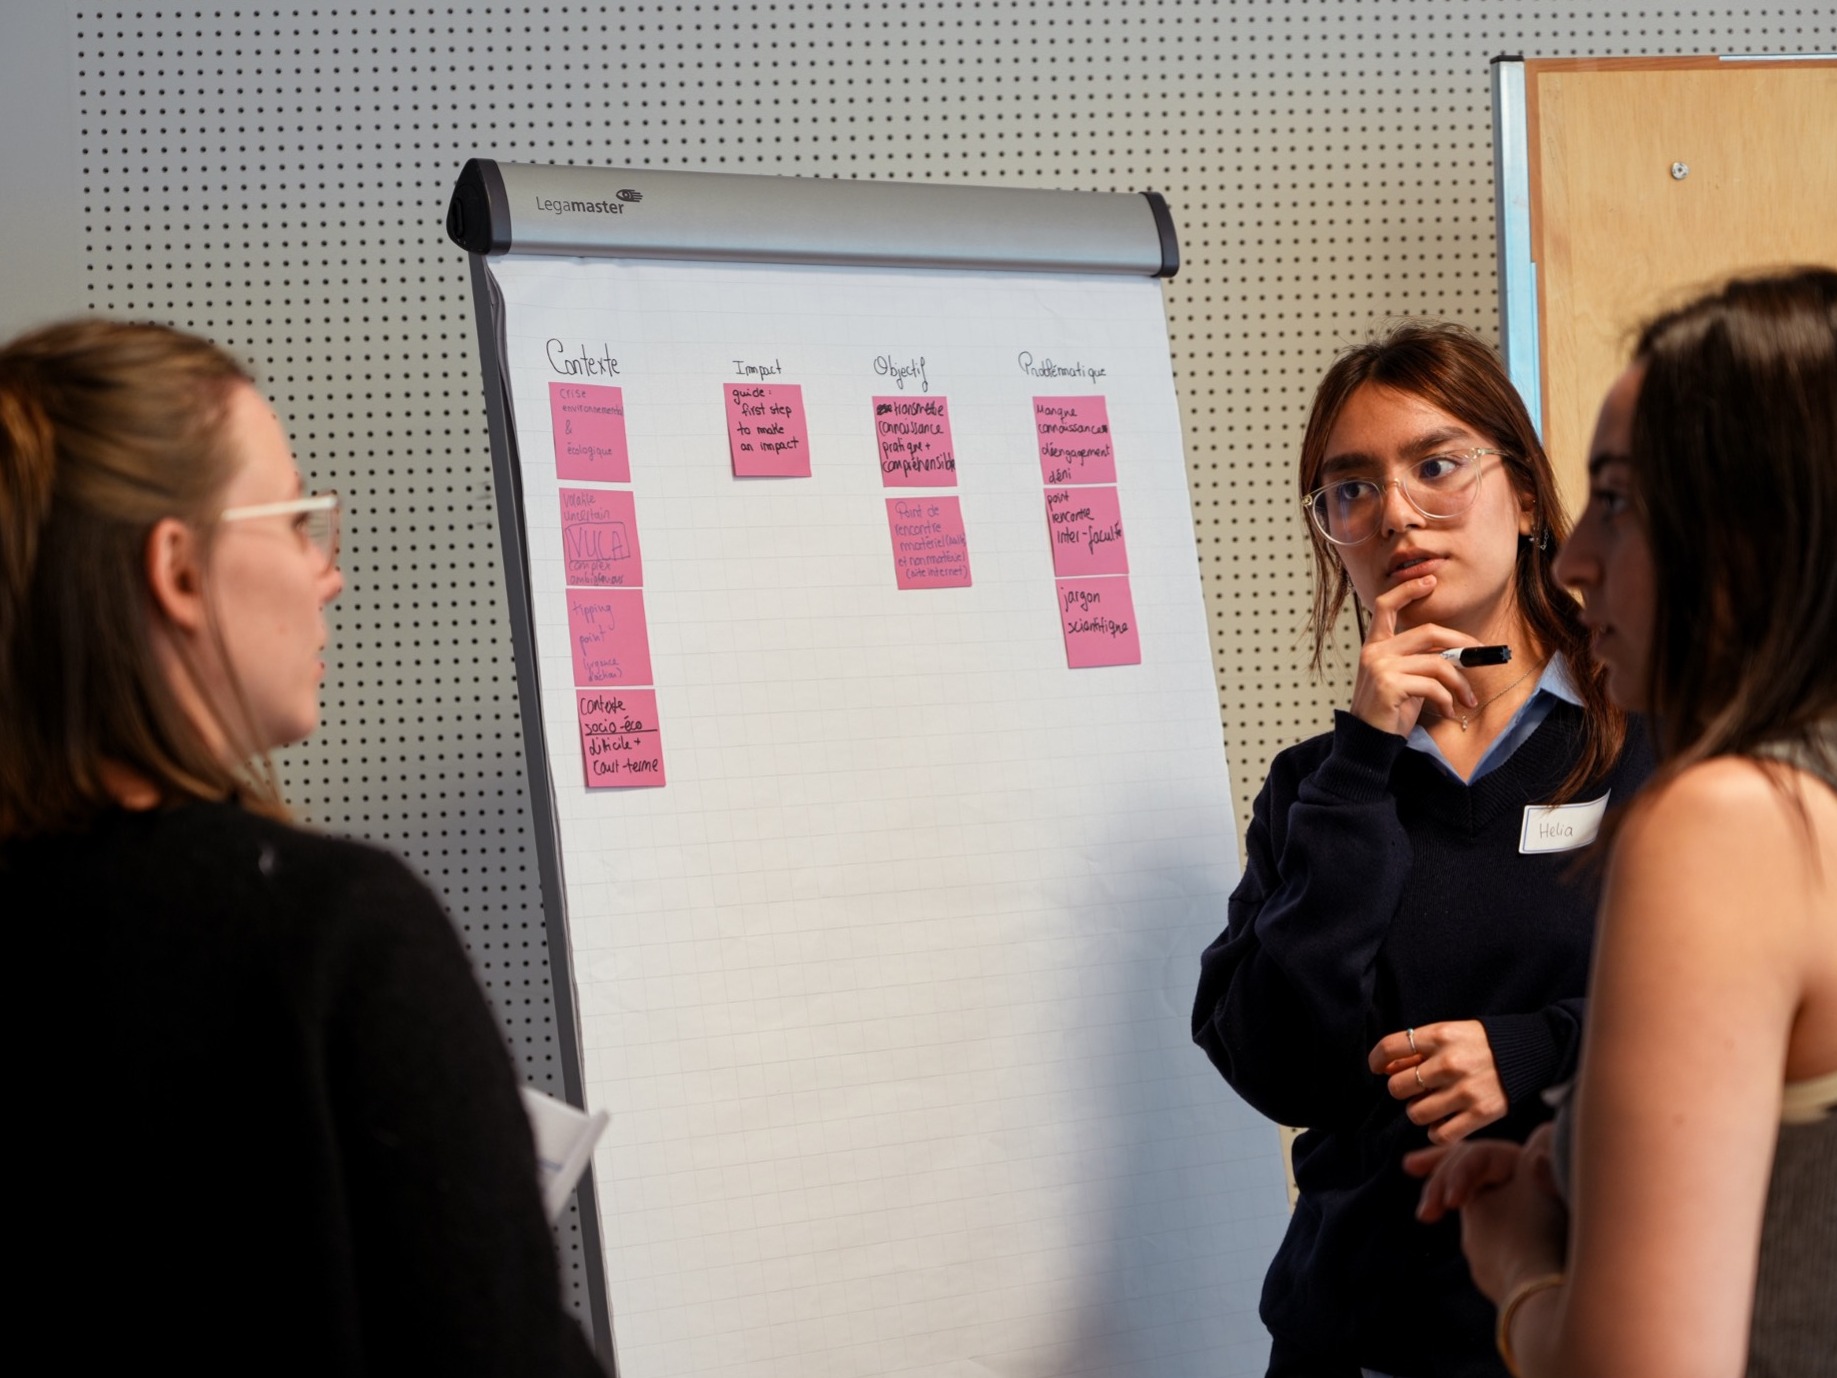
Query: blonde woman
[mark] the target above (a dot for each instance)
(270, 1126)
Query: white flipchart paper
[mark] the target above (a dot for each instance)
(886, 992)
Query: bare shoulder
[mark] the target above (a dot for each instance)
(1729, 804)
(1733, 831)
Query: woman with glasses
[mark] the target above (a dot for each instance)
(1408, 948)
(272, 1123)
(1698, 1154)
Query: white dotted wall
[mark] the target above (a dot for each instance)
(275, 176)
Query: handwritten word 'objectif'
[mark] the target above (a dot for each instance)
(888, 367)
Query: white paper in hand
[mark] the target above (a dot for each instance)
(565, 1137)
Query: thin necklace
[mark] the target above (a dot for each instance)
(1464, 718)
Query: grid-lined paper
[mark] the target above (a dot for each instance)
(886, 989)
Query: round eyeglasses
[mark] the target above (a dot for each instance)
(315, 519)
(1348, 510)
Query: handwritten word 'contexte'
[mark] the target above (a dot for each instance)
(889, 367)
(589, 422)
(582, 364)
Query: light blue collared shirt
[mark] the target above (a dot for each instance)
(1555, 683)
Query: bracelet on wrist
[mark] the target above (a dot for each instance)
(1508, 1312)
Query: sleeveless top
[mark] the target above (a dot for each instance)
(1794, 1330)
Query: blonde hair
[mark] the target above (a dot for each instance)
(106, 428)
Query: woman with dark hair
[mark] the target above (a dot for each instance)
(1699, 1159)
(1408, 949)
(274, 1127)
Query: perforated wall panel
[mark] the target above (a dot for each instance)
(274, 175)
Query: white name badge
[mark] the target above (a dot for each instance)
(1563, 828)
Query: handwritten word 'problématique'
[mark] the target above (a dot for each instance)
(1046, 368)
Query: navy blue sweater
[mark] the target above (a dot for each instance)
(1380, 893)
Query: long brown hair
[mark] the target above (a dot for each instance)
(105, 429)
(1734, 463)
(1450, 368)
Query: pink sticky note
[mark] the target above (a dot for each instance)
(599, 538)
(915, 444)
(589, 432)
(930, 550)
(606, 631)
(766, 430)
(620, 746)
(1099, 620)
(1074, 439)
(1086, 528)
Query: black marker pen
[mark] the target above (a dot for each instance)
(1469, 656)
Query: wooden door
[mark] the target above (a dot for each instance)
(1654, 177)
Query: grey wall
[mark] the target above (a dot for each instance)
(275, 175)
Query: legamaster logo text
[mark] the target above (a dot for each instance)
(554, 206)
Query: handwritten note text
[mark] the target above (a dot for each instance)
(1074, 434)
(1098, 616)
(599, 538)
(766, 430)
(608, 636)
(930, 550)
(589, 423)
(620, 746)
(915, 445)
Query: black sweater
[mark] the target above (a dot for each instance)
(270, 1124)
(1379, 893)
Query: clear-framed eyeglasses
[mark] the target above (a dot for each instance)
(1440, 486)
(315, 520)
